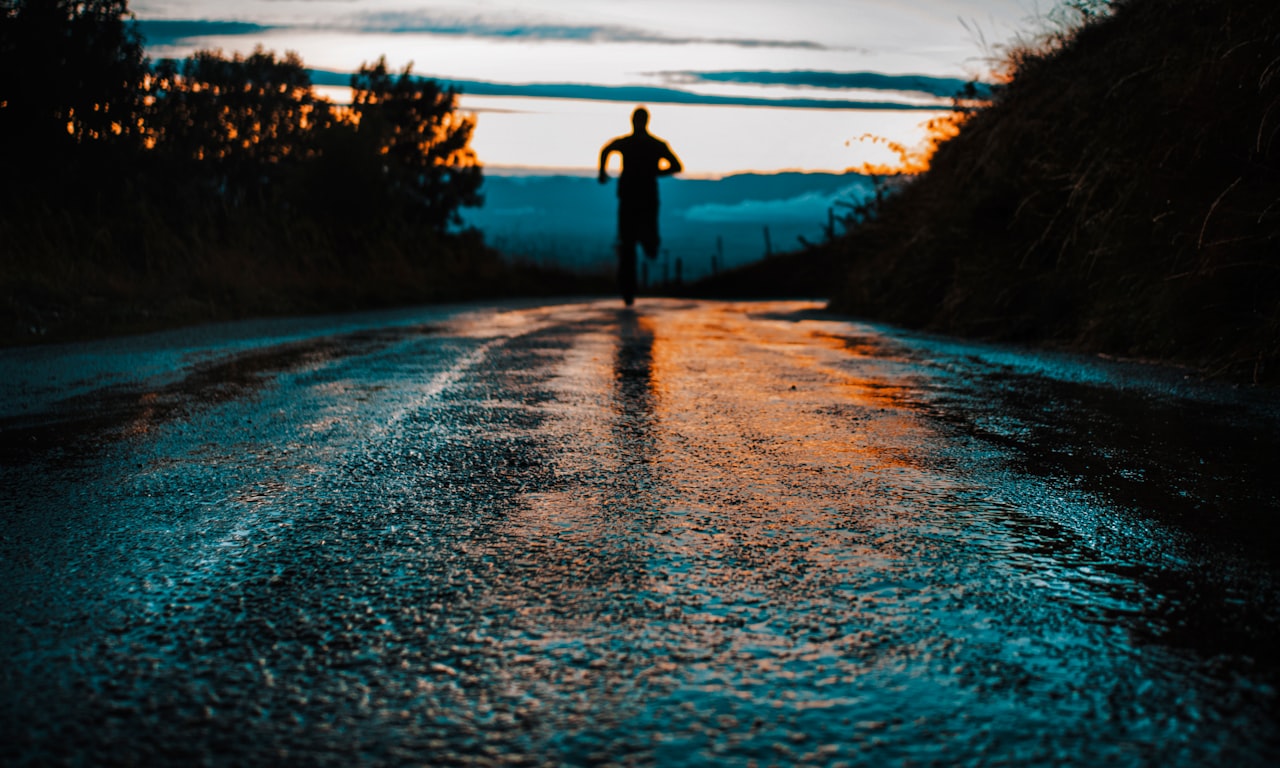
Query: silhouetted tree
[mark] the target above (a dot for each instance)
(70, 75)
(238, 122)
(219, 179)
(422, 139)
(343, 186)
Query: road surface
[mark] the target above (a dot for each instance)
(696, 533)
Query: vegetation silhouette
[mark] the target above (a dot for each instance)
(1120, 195)
(645, 158)
(71, 79)
(220, 186)
(424, 142)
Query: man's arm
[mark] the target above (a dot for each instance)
(673, 162)
(608, 149)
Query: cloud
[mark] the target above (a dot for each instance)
(161, 32)
(427, 22)
(942, 87)
(808, 207)
(636, 94)
(169, 32)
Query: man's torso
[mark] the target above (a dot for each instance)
(640, 156)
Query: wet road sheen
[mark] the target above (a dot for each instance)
(689, 534)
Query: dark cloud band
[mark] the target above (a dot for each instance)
(171, 32)
(639, 94)
(940, 87)
(161, 32)
(427, 22)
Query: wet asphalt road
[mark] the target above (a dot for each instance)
(690, 534)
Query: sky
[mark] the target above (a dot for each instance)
(732, 85)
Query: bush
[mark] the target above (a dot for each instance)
(1120, 195)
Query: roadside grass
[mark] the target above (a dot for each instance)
(1120, 195)
(128, 268)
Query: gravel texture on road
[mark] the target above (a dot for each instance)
(692, 533)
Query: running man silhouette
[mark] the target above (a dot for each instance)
(643, 155)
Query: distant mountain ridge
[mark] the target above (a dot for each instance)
(571, 220)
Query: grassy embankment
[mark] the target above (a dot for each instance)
(1121, 195)
(135, 264)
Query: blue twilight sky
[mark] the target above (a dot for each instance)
(733, 85)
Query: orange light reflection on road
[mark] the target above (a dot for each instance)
(734, 507)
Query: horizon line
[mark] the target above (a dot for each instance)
(590, 172)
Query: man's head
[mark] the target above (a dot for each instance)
(640, 119)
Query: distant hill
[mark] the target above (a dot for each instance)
(1122, 195)
(571, 220)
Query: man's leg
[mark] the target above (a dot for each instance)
(648, 235)
(650, 247)
(627, 270)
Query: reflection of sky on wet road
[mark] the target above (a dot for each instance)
(691, 534)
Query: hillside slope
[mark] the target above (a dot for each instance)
(1121, 195)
